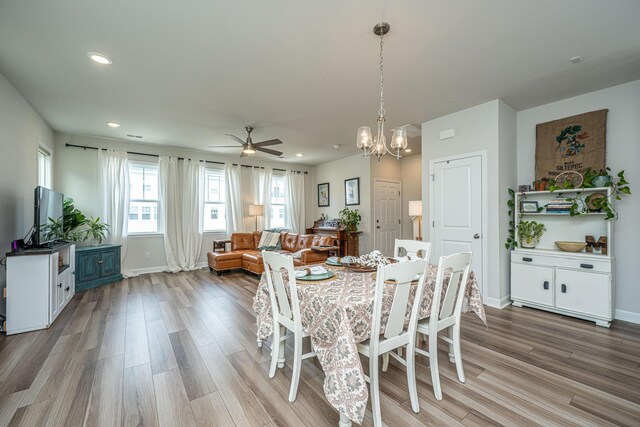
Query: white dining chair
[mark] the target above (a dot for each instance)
(445, 314)
(412, 248)
(396, 334)
(286, 316)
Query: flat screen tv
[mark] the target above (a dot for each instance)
(48, 216)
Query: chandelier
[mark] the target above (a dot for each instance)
(378, 145)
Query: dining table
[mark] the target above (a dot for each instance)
(337, 314)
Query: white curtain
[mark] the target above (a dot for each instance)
(295, 201)
(234, 211)
(113, 181)
(182, 202)
(260, 182)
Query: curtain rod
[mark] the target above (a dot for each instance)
(85, 147)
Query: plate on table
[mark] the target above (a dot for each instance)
(360, 268)
(334, 261)
(315, 277)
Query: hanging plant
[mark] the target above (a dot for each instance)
(596, 179)
(511, 204)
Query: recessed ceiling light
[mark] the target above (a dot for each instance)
(299, 154)
(337, 146)
(407, 150)
(113, 124)
(100, 58)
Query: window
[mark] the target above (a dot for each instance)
(278, 216)
(214, 201)
(44, 168)
(133, 212)
(143, 193)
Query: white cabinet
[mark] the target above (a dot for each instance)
(40, 283)
(532, 283)
(575, 284)
(584, 292)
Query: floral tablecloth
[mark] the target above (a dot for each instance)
(337, 314)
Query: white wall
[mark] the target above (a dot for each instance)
(623, 152)
(407, 171)
(77, 177)
(481, 128)
(411, 171)
(335, 173)
(22, 130)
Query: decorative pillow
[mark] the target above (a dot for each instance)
(269, 241)
(297, 255)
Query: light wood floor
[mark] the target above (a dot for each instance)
(180, 350)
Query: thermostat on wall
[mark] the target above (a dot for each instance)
(447, 133)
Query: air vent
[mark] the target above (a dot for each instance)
(134, 136)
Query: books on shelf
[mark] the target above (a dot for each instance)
(559, 206)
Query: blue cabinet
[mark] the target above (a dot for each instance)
(97, 265)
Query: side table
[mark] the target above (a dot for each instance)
(220, 245)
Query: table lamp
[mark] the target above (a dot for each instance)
(415, 213)
(256, 210)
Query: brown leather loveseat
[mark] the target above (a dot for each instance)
(306, 249)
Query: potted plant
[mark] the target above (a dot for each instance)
(75, 226)
(529, 233)
(350, 218)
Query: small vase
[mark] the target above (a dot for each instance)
(601, 181)
(531, 244)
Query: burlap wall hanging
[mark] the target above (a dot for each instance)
(571, 144)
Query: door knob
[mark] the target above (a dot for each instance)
(377, 226)
(476, 236)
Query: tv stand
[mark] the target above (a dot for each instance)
(40, 284)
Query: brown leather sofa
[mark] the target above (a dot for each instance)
(244, 253)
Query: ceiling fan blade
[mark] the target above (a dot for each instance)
(269, 151)
(236, 138)
(266, 143)
(223, 146)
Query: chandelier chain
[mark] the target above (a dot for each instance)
(382, 111)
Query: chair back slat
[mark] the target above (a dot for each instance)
(401, 274)
(412, 248)
(451, 303)
(275, 265)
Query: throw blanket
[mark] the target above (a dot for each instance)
(269, 240)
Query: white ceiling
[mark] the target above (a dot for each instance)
(186, 73)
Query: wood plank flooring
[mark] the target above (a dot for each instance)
(179, 350)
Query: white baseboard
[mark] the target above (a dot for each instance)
(146, 270)
(627, 316)
(497, 303)
(158, 269)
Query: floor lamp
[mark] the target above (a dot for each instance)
(256, 210)
(415, 213)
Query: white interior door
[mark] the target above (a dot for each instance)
(387, 206)
(456, 209)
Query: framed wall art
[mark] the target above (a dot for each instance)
(352, 191)
(323, 195)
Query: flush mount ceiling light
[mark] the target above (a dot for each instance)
(113, 124)
(378, 145)
(100, 58)
(299, 154)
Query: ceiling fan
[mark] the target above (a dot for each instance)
(250, 147)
